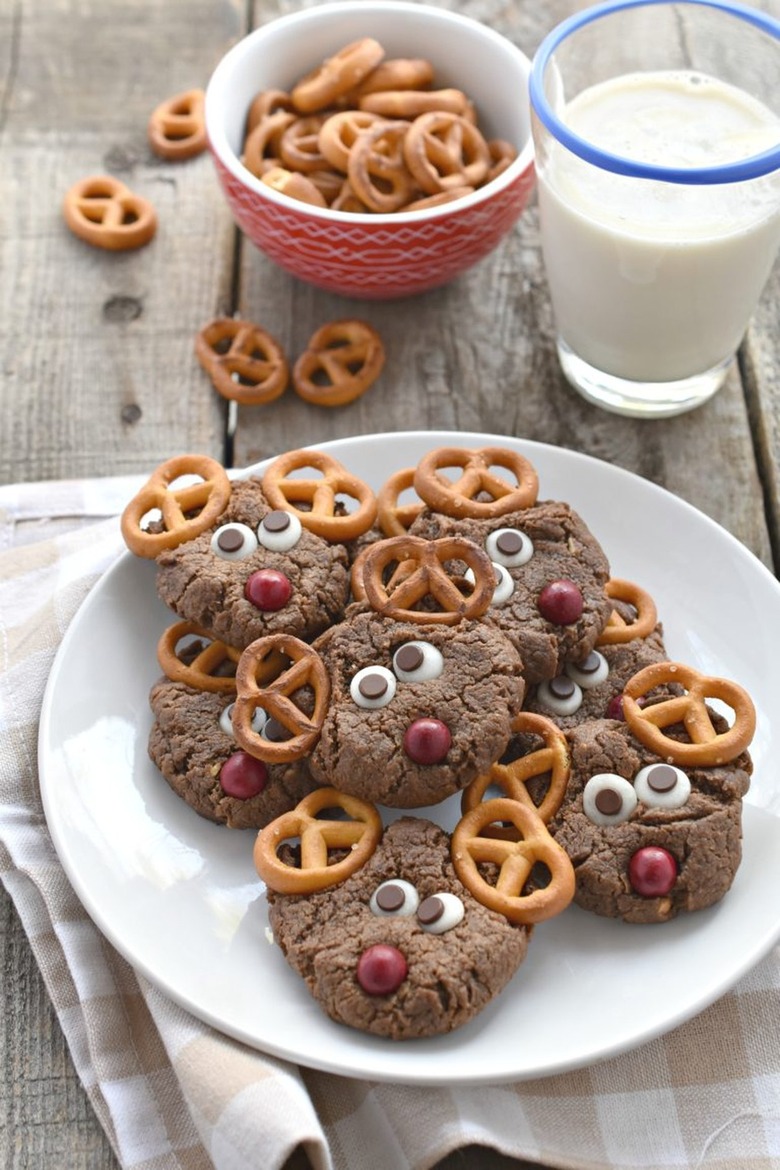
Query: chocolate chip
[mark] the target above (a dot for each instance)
(276, 521)
(509, 543)
(275, 731)
(661, 778)
(561, 687)
(409, 658)
(372, 686)
(608, 801)
(230, 540)
(590, 664)
(430, 910)
(390, 897)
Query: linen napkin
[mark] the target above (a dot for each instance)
(174, 1094)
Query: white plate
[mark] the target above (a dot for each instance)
(179, 898)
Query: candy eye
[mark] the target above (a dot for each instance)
(279, 531)
(504, 587)
(608, 799)
(440, 912)
(373, 686)
(234, 542)
(590, 672)
(509, 547)
(417, 662)
(394, 899)
(560, 696)
(662, 786)
(259, 719)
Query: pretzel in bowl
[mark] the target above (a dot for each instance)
(708, 747)
(283, 489)
(262, 143)
(261, 684)
(424, 575)
(395, 73)
(340, 362)
(104, 212)
(177, 127)
(515, 858)
(618, 630)
(359, 836)
(296, 185)
(409, 103)
(185, 511)
(444, 149)
(337, 75)
(551, 762)
(462, 497)
(339, 133)
(245, 363)
(377, 168)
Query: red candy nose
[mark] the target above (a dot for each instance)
(268, 590)
(242, 776)
(652, 871)
(381, 969)
(427, 741)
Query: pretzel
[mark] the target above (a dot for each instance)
(340, 362)
(339, 133)
(107, 214)
(445, 150)
(185, 512)
(377, 167)
(515, 860)
(227, 346)
(268, 101)
(328, 182)
(337, 75)
(283, 490)
(513, 778)
(395, 519)
(502, 155)
(347, 200)
(617, 629)
(708, 747)
(436, 200)
(299, 144)
(460, 498)
(396, 73)
(294, 185)
(177, 127)
(360, 836)
(409, 103)
(424, 575)
(201, 672)
(261, 145)
(303, 667)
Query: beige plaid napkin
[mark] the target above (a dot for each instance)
(172, 1093)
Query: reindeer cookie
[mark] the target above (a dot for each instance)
(400, 931)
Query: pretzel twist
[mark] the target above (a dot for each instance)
(617, 629)
(395, 73)
(104, 212)
(295, 185)
(341, 361)
(245, 363)
(377, 167)
(515, 859)
(360, 835)
(423, 574)
(202, 671)
(177, 127)
(337, 75)
(707, 747)
(185, 512)
(445, 150)
(513, 778)
(459, 498)
(262, 143)
(284, 490)
(340, 132)
(255, 689)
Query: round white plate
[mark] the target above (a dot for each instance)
(179, 897)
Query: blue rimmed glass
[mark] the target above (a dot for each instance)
(655, 264)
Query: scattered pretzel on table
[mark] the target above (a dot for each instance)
(243, 360)
(105, 213)
(341, 360)
(177, 127)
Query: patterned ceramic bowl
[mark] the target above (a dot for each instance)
(376, 256)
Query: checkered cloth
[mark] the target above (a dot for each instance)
(172, 1093)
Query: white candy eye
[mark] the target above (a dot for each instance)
(510, 547)
(394, 899)
(559, 696)
(504, 587)
(233, 542)
(279, 531)
(590, 672)
(373, 686)
(259, 719)
(662, 786)
(608, 799)
(440, 912)
(417, 662)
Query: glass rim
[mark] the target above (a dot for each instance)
(752, 167)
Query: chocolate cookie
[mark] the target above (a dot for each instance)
(256, 571)
(648, 839)
(401, 948)
(417, 710)
(191, 743)
(551, 572)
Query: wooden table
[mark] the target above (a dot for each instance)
(99, 375)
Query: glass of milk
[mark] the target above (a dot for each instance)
(657, 137)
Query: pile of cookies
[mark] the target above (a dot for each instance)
(337, 651)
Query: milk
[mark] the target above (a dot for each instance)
(657, 281)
